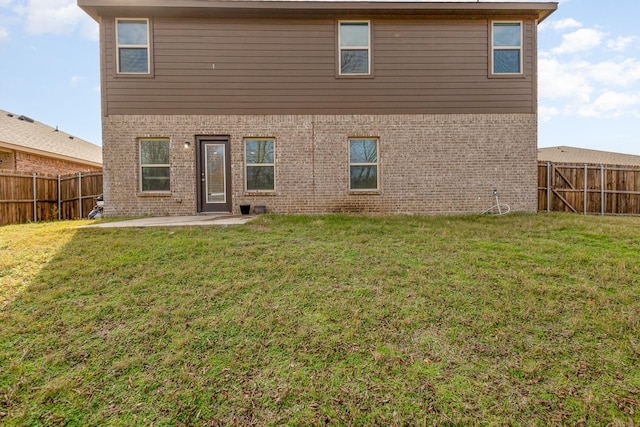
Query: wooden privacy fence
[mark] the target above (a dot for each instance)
(25, 198)
(589, 189)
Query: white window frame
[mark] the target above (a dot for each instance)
(153, 165)
(519, 48)
(368, 47)
(376, 163)
(134, 46)
(247, 165)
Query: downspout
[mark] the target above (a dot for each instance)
(313, 163)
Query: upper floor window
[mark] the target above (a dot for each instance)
(363, 164)
(154, 165)
(260, 164)
(354, 40)
(133, 46)
(506, 41)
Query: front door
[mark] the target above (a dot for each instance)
(214, 172)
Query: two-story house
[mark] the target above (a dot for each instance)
(318, 106)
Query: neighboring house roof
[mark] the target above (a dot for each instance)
(564, 154)
(22, 133)
(96, 8)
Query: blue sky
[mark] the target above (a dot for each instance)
(589, 71)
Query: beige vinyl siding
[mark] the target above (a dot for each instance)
(287, 66)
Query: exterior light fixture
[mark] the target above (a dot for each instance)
(187, 144)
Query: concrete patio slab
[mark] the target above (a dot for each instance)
(178, 221)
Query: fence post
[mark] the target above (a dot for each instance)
(548, 186)
(35, 198)
(80, 194)
(601, 189)
(585, 189)
(59, 200)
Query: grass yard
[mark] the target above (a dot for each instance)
(529, 320)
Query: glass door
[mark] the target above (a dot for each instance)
(215, 174)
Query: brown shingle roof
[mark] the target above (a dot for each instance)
(23, 133)
(575, 155)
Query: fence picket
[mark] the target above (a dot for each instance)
(604, 189)
(47, 197)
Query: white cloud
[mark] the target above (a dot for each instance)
(579, 41)
(623, 73)
(89, 28)
(564, 81)
(586, 89)
(75, 80)
(546, 113)
(612, 104)
(4, 37)
(52, 16)
(620, 43)
(563, 24)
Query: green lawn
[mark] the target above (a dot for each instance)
(314, 320)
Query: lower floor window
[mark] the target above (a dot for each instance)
(154, 165)
(260, 164)
(363, 164)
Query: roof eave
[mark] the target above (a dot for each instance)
(49, 154)
(97, 8)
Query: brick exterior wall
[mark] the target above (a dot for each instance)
(32, 163)
(427, 163)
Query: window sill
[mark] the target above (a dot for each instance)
(154, 194)
(365, 192)
(134, 75)
(259, 193)
(354, 76)
(507, 76)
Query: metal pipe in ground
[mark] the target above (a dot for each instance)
(584, 210)
(601, 189)
(35, 198)
(80, 193)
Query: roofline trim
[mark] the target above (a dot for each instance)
(97, 8)
(49, 154)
